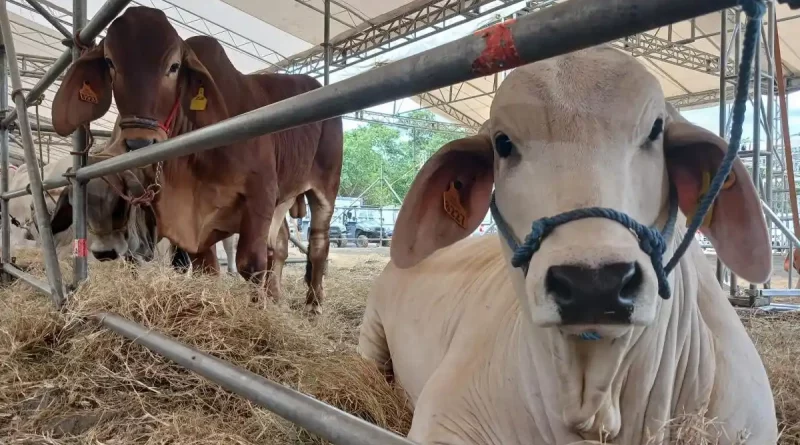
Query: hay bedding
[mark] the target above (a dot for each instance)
(64, 381)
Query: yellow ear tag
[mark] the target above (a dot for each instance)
(86, 94)
(199, 102)
(703, 190)
(453, 207)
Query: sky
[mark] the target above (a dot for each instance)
(285, 44)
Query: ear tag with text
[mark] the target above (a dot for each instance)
(453, 207)
(703, 190)
(199, 102)
(86, 94)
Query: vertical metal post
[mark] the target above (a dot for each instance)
(757, 118)
(723, 99)
(791, 265)
(40, 206)
(770, 125)
(79, 139)
(6, 220)
(737, 55)
(327, 42)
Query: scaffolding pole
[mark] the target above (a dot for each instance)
(326, 46)
(770, 118)
(40, 206)
(79, 143)
(756, 176)
(723, 102)
(5, 239)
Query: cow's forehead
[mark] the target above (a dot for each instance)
(583, 95)
(141, 34)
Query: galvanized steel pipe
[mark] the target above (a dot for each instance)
(558, 29)
(323, 420)
(41, 214)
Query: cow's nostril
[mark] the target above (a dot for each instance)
(631, 283)
(105, 255)
(558, 282)
(135, 144)
(594, 295)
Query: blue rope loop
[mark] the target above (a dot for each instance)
(651, 241)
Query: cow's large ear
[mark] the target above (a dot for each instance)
(738, 230)
(447, 200)
(202, 100)
(85, 93)
(61, 219)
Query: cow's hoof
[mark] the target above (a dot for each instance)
(313, 309)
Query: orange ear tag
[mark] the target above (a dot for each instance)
(704, 189)
(86, 94)
(453, 207)
(199, 102)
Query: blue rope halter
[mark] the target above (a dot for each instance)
(652, 241)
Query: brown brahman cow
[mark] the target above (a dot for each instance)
(164, 87)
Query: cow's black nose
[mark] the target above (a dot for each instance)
(135, 144)
(586, 295)
(105, 255)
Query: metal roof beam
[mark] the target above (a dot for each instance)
(450, 110)
(708, 97)
(360, 45)
(409, 122)
(664, 50)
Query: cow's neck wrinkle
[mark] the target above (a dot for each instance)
(642, 379)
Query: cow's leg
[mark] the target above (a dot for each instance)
(277, 259)
(318, 246)
(227, 244)
(205, 261)
(252, 250)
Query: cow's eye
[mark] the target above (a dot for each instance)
(109, 63)
(658, 128)
(503, 145)
(174, 68)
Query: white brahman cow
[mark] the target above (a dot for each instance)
(21, 209)
(24, 231)
(494, 354)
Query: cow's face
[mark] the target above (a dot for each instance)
(114, 229)
(155, 77)
(589, 129)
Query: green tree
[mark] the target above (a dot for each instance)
(376, 152)
(364, 149)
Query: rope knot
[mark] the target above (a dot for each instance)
(76, 40)
(539, 230)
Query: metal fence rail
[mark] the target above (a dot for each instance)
(318, 418)
(559, 29)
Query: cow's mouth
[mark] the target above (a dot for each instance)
(106, 255)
